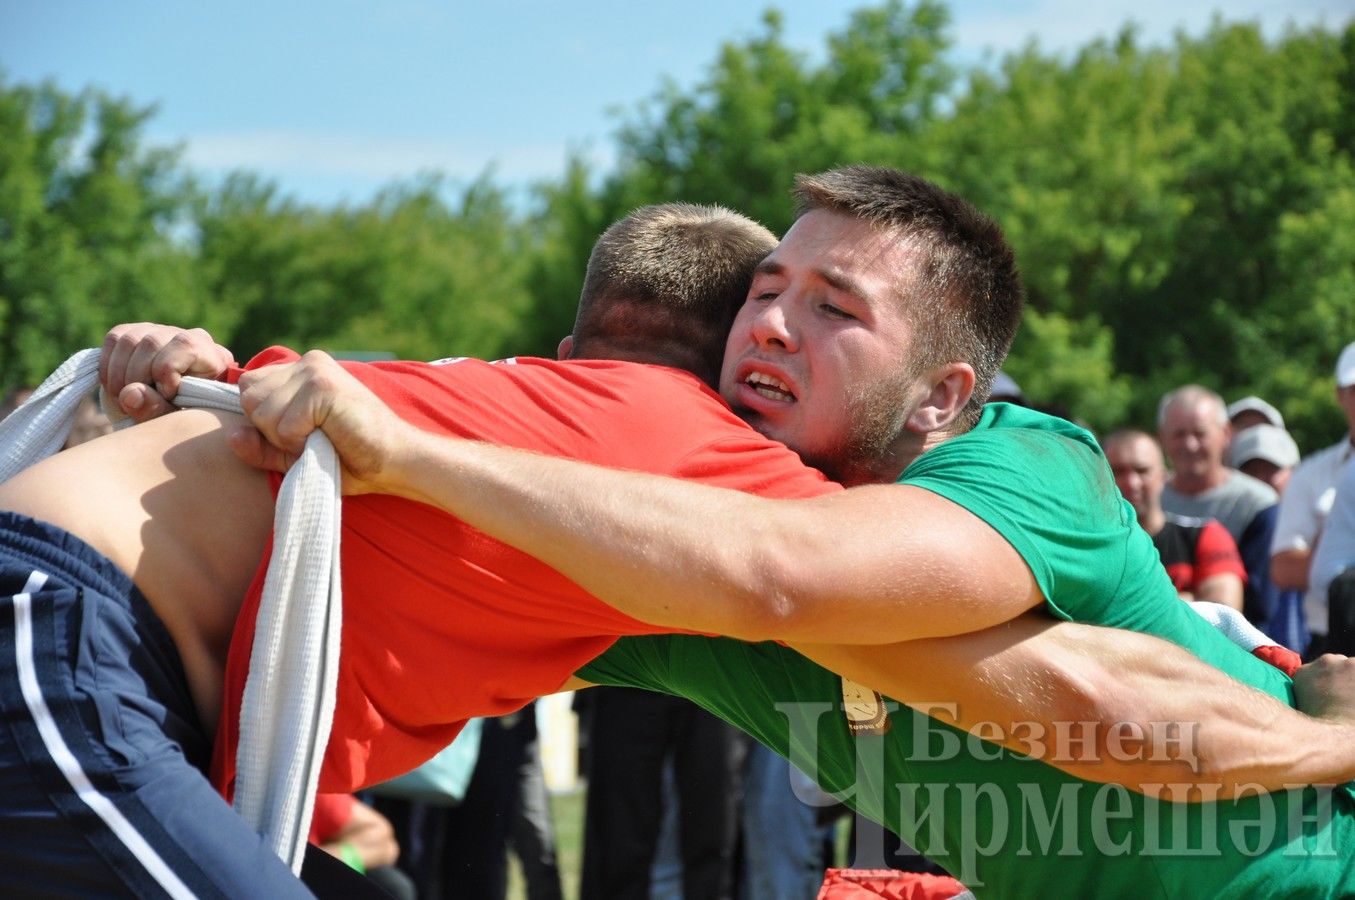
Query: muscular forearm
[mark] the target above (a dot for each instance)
(851, 567)
(1106, 705)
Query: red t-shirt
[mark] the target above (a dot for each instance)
(1195, 550)
(442, 623)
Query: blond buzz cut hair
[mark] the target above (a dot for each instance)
(665, 282)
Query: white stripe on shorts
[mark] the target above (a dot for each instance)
(65, 759)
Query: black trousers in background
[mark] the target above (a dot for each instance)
(632, 733)
(460, 851)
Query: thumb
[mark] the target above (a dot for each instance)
(253, 449)
(142, 403)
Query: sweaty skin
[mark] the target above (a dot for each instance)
(170, 504)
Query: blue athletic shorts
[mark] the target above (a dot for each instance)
(102, 791)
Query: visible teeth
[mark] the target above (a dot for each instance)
(769, 386)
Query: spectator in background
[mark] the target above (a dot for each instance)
(1266, 453)
(1252, 411)
(1307, 501)
(786, 845)
(350, 830)
(90, 422)
(633, 734)
(1333, 569)
(461, 850)
(1194, 430)
(1199, 554)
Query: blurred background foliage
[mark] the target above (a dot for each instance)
(1181, 212)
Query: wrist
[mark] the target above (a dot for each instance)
(412, 458)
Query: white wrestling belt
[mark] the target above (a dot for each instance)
(288, 704)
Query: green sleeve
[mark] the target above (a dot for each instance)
(640, 662)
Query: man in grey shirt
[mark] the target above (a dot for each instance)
(1193, 427)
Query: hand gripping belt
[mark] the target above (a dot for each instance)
(288, 704)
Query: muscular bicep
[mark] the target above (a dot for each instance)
(892, 563)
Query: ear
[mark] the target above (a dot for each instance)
(951, 386)
(566, 347)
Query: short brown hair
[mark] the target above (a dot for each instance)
(664, 283)
(964, 300)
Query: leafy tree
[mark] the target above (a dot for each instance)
(88, 219)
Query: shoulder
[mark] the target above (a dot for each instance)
(1317, 471)
(1013, 436)
(1258, 492)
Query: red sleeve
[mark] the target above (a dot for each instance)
(263, 358)
(1216, 554)
(332, 812)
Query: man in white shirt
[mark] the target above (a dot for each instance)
(1333, 568)
(1304, 509)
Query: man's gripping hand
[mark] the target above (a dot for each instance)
(1325, 688)
(143, 364)
(286, 402)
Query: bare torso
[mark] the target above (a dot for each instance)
(169, 504)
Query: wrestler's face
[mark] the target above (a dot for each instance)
(817, 356)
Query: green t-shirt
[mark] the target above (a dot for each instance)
(1007, 825)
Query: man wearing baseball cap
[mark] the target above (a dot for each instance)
(1266, 453)
(1305, 505)
(1252, 411)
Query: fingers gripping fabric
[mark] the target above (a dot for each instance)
(288, 704)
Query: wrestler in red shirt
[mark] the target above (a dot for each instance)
(442, 623)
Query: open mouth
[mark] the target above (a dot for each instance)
(770, 386)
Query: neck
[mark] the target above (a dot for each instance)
(1152, 520)
(889, 466)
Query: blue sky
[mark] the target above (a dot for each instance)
(334, 99)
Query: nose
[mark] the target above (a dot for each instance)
(771, 327)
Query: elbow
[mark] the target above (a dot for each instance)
(774, 602)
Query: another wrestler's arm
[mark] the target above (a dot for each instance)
(874, 564)
(1117, 706)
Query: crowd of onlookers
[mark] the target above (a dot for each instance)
(1242, 519)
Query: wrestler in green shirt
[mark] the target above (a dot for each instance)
(1005, 824)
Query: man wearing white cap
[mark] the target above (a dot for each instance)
(1252, 411)
(1266, 453)
(1306, 503)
